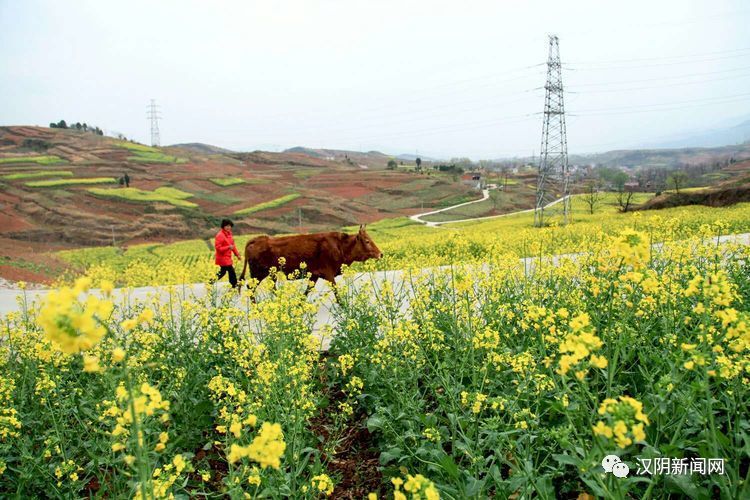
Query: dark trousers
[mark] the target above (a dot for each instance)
(232, 276)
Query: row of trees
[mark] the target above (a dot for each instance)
(625, 185)
(392, 165)
(77, 126)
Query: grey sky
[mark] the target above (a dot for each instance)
(440, 78)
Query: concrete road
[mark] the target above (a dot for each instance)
(400, 282)
(485, 195)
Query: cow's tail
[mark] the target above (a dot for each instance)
(244, 267)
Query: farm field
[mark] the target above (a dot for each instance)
(42, 202)
(172, 196)
(70, 182)
(486, 382)
(406, 244)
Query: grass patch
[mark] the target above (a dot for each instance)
(131, 146)
(502, 182)
(227, 181)
(40, 160)
(26, 265)
(157, 157)
(268, 204)
(457, 200)
(148, 154)
(305, 173)
(34, 175)
(499, 201)
(169, 195)
(70, 182)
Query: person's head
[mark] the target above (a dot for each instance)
(226, 224)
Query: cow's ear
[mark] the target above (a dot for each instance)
(361, 228)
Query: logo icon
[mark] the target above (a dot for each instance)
(613, 464)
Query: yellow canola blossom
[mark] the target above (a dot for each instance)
(623, 421)
(73, 326)
(267, 447)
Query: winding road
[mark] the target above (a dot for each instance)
(418, 217)
(485, 195)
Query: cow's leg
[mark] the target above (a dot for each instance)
(311, 284)
(255, 274)
(330, 277)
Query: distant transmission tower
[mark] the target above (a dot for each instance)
(153, 114)
(553, 160)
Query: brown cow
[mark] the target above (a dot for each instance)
(323, 253)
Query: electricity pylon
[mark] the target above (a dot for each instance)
(553, 161)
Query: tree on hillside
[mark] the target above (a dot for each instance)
(62, 124)
(495, 197)
(419, 164)
(677, 180)
(505, 173)
(464, 163)
(624, 197)
(591, 195)
(392, 165)
(611, 177)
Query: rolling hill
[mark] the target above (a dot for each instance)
(201, 148)
(59, 189)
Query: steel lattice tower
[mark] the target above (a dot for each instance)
(553, 161)
(153, 114)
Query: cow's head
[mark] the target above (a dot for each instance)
(365, 248)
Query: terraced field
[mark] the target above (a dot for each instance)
(178, 194)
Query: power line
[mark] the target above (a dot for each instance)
(447, 129)
(660, 105)
(605, 65)
(674, 77)
(414, 116)
(425, 89)
(609, 113)
(641, 66)
(680, 84)
(683, 56)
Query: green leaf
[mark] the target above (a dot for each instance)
(683, 484)
(568, 460)
(544, 487)
(450, 466)
(390, 455)
(375, 422)
(473, 487)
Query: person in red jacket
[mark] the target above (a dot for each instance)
(224, 244)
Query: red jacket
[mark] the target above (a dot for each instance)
(224, 245)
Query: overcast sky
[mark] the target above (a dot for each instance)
(456, 78)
